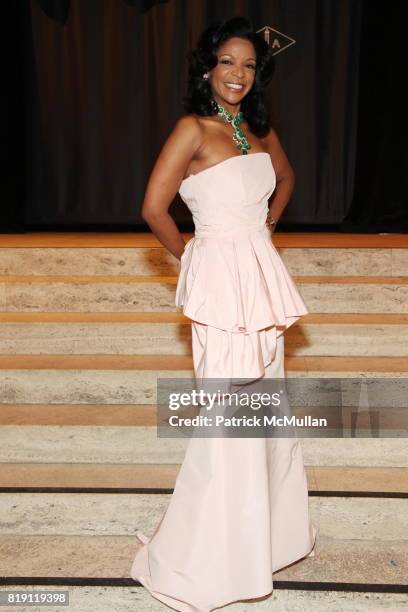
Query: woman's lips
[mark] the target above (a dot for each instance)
(234, 86)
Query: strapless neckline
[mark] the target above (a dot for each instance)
(228, 159)
(231, 276)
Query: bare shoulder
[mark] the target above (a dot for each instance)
(188, 128)
(181, 145)
(271, 140)
(280, 161)
(188, 122)
(182, 142)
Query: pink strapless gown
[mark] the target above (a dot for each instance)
(239, 511)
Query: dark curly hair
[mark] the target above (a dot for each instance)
(204, 58)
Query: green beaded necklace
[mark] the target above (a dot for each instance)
(238, 136)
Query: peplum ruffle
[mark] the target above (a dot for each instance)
(237, 283)
(231, 278)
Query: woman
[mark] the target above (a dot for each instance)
(239, 511)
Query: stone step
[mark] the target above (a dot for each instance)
(134, 598)
(132, 240)
(157, 260)
(132, 379)
(391, 422)
(380, 481)
(145, 415)
(322, 294)
(179, 317)
(372, 532)
(366, 337)
(182, 364)
(140, 445)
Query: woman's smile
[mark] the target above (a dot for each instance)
(235, 86)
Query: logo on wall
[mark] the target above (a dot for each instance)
(275, 39)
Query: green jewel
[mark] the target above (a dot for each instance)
(238, 136)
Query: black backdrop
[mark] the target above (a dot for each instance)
(103, 82)
(380, 198)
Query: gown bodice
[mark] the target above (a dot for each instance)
(231, 195)
(231, 275)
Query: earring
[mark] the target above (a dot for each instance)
(205, 75)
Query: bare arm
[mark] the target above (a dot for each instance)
(165, 179)
(285, 177)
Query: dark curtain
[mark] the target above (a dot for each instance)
(16, 53)
(380, 201)
(56, 9)
(107, 81)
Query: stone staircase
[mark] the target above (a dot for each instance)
(88, 323)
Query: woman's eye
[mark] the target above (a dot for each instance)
(227, 61)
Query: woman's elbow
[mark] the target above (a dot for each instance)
(291, 174)
(148, 214)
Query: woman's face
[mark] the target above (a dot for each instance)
(232, 78)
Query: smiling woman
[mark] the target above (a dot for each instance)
(232, 66)
(239, 511)
(234, 72)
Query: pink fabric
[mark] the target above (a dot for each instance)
(231, 275)
(239, 511)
